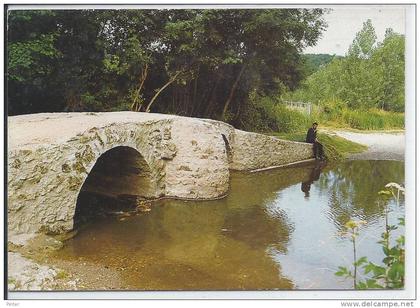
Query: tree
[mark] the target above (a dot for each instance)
(193, 62)
(31, 54)
(364, 43)
(370, 76)
(388, 59)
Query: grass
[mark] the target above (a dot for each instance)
(269, 114)
(11, 280)
(62, 274)
(371, 119)
(336, 148)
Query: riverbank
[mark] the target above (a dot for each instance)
(381, 145)
(336, 148)
(27, 272)
(32, 266)
(357, 144)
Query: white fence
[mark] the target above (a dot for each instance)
(300, 106)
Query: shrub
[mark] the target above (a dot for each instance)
(336, 113)
(267, 114)
(391, 273)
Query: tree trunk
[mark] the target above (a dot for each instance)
(210, 99)
(232, 91)
(136, 106)
(194, 98)
(238, 112)
(171, 80)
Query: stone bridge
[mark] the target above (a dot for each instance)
(54, 157)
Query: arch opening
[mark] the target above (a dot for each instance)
(120, 178)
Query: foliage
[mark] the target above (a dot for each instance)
(268, 114)
(352, 231)
(62, 274)
(390, 274)
(370, 76)
(364, 43)
(191, 62)
(314, 62)
(337, 115)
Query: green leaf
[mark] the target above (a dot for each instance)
(388, 260)
(342, 271)
(361, 261)
(375, 269)
(372, 284)
(394, 252)
(396, 271)
(401, 240)
(385, 193)
(392, 227)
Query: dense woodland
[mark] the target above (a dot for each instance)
(233, 65)
(191, 62)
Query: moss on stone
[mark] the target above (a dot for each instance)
(74, 183)
(78, 167)
(65, 168)
(101, 142)
(88, 155)
(16, 163)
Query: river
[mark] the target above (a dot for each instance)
(279, 229)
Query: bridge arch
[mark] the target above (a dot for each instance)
(137, 150)
(119, 177)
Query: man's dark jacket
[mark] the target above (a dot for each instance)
(311, 135)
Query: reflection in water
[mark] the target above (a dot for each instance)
(353, 188)
(315, 174)
(262, 235)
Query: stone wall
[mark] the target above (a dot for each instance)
(186, 157)
(255, 151)
(200, 170)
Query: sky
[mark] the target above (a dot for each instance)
(345, 21)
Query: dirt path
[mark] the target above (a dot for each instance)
(381, 145)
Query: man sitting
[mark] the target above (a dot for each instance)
(311, 138)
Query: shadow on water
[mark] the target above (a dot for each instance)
(276, 229)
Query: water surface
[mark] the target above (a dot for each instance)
(279, 229)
